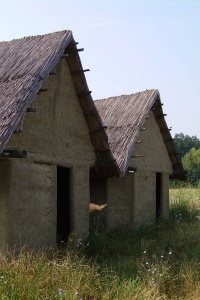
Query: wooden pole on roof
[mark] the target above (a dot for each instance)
(14, 153)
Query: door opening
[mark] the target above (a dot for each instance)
(158, 194)
(63, 204)
(98, 202)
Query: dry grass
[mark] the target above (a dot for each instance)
(161, 262)
(189, 195)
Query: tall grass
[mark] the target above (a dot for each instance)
(158, 262)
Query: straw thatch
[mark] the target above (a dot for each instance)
(24, 66)
(124, 117)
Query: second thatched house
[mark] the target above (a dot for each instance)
(144, 152)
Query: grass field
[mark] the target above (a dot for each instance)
(161, 262)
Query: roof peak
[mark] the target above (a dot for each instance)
(128, 95)
(38, 35)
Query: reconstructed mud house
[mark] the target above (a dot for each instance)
(143, 149)
(49, 133)
(55, 148)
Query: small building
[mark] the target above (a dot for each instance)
(143, 149)
(49, 133)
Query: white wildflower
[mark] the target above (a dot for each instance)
(60, 292)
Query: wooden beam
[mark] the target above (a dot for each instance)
(80, 71)
(165, 129)
(17, 130)
(42, 90)
(160, 116)
(132, 169)
(71, 51)
(73, 43)
(74, 50)
(139, 142)
(157, 106)
(52, 73)
(13, 153)
(31, 109)
(143, 129)
(105, 162)
(84, 94)
(98, 129)
(136, 156)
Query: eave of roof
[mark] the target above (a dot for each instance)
(105, 163)
(124, 117)
(178, 171)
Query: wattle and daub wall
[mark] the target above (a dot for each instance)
(55, 135)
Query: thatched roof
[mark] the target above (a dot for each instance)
(124, 117)
(24, 65)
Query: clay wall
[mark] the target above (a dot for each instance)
(56, 134)
(132, 199)
(119, 201)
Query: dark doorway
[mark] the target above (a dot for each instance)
(158, 194)
(63, 204)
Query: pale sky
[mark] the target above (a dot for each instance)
(130, 46)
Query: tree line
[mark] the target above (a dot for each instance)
(188, 149)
